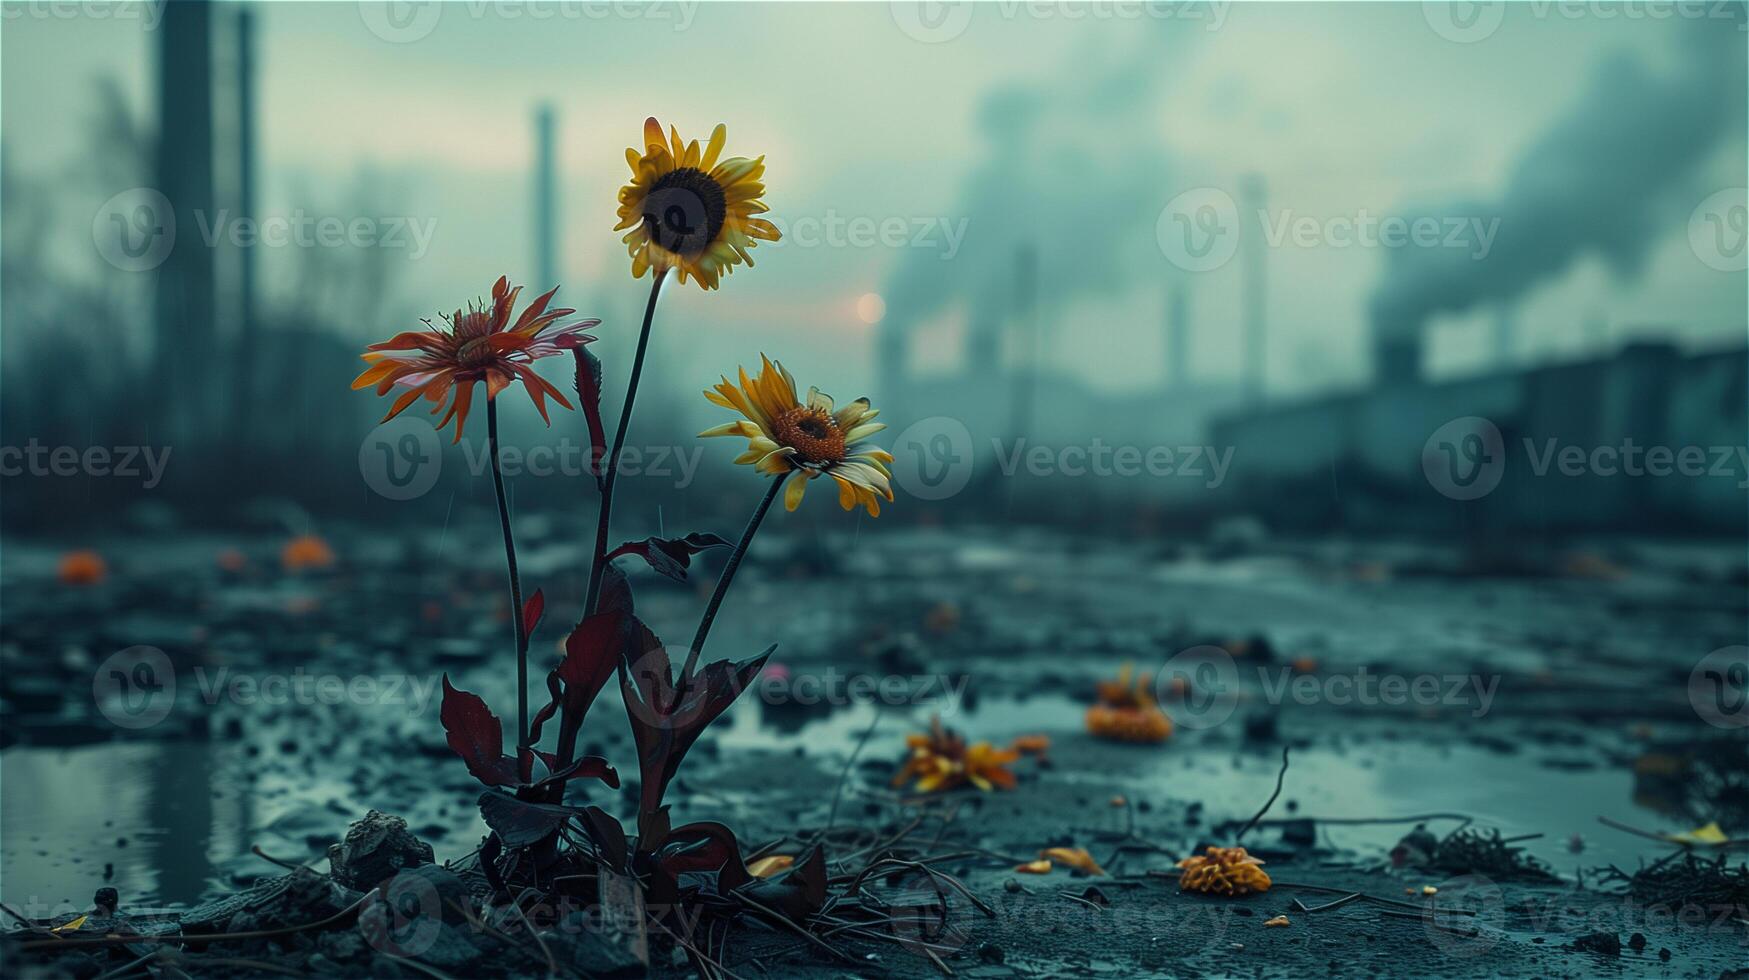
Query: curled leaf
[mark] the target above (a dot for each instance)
(771, 864)
(670, 556)
(1708, 836)
(1074, 857)
(588, 382)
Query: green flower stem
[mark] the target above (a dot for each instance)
(522, 755)
(723, 580)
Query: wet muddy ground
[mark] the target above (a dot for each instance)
(1528, 697)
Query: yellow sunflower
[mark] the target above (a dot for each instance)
(785, 435)
(689, 212)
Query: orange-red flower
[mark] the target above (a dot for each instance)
(480, 344)
(1127, 712)
(1228, 871)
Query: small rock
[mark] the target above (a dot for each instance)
(992, 953)
(106, 901)
(375, 849)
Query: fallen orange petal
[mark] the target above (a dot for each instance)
(1277, 922)
(765, 867)
(1074, 857)
(1039, 867)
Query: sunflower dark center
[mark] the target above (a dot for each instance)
(812, 433)
(685, 211)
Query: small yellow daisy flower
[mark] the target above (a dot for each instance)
(814, 439)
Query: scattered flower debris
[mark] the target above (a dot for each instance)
(765, 867)
(941, 760)
(1279, 922)
(1073, 857)
(81, 568)
(1127, 712)
(306, 552)
(1228, 871)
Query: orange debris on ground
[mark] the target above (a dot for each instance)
(1127, 712)
(941, 760)
(304, 552)
(81, 568)
(1229, 871)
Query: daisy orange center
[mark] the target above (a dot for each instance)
(812, 433)
(685, 210)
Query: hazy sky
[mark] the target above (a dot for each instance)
(1344, 111)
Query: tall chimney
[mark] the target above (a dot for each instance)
(244, 384)
(1255, 308)
(546, 200)
(183, 305)
(1026, 328)
(1177, 334)
(1505, 334)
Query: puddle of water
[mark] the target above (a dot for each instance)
(1517, 793)
(188, 813)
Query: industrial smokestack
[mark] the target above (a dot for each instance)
(1026, 328)
(1177, 335)
(242, 394)
(1256, 286)
(1603, 180)
(184, 319)
(546, 199)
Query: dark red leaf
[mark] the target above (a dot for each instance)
(589, 399)
(519, 822)
(704, 847)
(670, 556)
(616, 591)
(531, 612)
(609, 836)
(666, 722)
(590, 767)
(475, 734)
